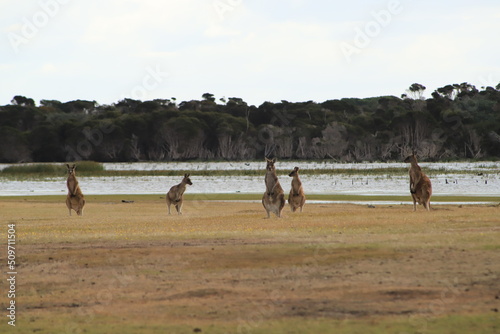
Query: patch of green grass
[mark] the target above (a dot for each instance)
(495, 200)
(258, 322)
(485, 324)
(342, 197)
(491, 247)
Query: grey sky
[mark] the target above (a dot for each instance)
(258, 50)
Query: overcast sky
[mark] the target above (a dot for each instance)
(257, 50)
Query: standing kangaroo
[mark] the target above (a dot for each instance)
(75, 199)
(274, 197)
(176, 193)
(420, 184)
(296, 198)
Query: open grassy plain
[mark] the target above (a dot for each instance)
(222, 268)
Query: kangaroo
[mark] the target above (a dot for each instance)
(176, 193)
(420, 184)
(296, 198)
(274, 197)
(75, 199)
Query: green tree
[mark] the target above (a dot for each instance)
(14, 145)
(415, 92)
(20, 100)
(208, 97)
(51, 103)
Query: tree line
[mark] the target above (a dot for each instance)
(458, 121)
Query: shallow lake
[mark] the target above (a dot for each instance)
(485, 180)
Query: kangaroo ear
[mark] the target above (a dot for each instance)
(274, 160)
(74, 166)
(186, 175)
(67, 165)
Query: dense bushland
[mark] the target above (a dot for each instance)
(457, 122)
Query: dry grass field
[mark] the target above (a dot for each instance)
(222, 268)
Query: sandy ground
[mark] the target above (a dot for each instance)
(222, 268)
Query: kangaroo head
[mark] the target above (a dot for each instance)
(71, 169)
(187, 180)
(294, 172)
(270, 164)
(411, 158)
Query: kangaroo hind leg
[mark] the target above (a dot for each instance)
(427, 204)
(178, 207)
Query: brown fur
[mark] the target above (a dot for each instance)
(420, 184)
(75, 199)
(296, 198)
(176, 193)
(274, 197)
